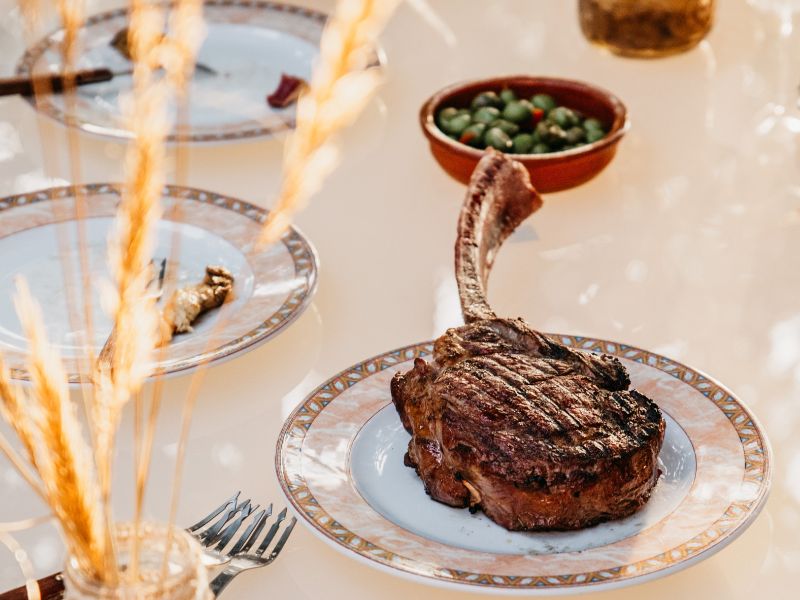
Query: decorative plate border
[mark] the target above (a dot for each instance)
(303, 255)
(757, 471)
(236, 131)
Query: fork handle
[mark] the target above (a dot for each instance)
(219, 583)
(51, 588)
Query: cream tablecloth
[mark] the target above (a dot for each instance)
(688, 244)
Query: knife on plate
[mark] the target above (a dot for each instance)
(56, 82)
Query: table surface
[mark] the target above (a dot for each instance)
(688, 245)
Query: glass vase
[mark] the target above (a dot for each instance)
(181, 577)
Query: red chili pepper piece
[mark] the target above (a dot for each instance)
(538, 115)
(287, 92)
(467, 137)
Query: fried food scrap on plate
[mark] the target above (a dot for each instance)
(188, 303)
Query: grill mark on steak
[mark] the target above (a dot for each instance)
(546, 407)
(502, 396)
(536, 434)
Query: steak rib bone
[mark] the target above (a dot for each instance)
(500, 197)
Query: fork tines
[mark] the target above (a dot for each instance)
(251, 535)
(232, 515)
(230, 502)
(220, 531)
(271, 534)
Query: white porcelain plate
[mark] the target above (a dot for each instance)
(39, 241)
(340, 463)
(249, 43)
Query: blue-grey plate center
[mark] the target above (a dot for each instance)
(394, 491)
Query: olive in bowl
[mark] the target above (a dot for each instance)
(564, 132)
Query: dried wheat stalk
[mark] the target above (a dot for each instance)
(137, 315)
(50, 431)
(13, 412)
(130, 248)
(339, 90)
(61, 455)
(72, 13)
(178, 53)
(131, 243)
(21, 466)
(47, 425)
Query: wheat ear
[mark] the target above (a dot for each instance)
(339, 90)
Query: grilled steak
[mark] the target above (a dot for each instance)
(506, 420)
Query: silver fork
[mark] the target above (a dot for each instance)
(243, 559)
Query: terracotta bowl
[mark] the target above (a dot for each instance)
(549, 172)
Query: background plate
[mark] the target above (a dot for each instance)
(339, 462)
(38, 240)
(249, 43)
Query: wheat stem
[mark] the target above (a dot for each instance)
(24, 563)
(19, 464)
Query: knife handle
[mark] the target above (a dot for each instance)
(26, 86)
(51, 587)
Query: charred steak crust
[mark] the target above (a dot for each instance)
(545, 442)
(505, 419)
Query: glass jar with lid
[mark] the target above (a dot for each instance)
(646, 28)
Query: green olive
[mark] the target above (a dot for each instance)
(592, 123)
(540, 148)
(517, 112)
(592, 135)
(507, 95)
(523, 143)
(486, 99)
(544, 101)
(498, 139)
(557, 137)
(486, 114)
(574, 117)
(457, 124)
(575, 135)
(551, 134)
(445, 115)
(563, 117)
(541, 131)
(507, 126)
(474, 135)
